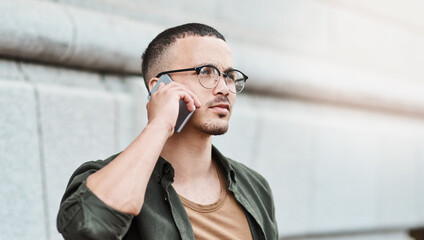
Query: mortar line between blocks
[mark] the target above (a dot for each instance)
(116, 122)
(40, 151)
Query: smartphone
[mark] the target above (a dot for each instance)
(184, 114)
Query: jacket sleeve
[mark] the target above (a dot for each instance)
(272, 214)
(84, 216)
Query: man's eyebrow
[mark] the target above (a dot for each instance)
(210, 64)
(228, 69)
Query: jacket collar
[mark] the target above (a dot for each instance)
(224, 165)
(164, 169)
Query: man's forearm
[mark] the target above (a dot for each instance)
(122, 183)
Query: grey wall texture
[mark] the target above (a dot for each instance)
(333, 114)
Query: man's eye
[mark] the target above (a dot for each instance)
(235, 76)
(207, 71)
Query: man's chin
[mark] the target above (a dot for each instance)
(214, 128)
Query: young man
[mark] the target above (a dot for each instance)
(168, 185)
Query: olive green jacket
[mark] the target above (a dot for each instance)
(83, 216)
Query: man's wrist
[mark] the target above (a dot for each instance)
(160, 127)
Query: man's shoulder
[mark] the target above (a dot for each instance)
(98, 163)
(90, 167)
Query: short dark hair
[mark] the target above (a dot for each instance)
(165, 39)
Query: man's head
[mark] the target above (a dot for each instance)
(155, 59)
(193, 46)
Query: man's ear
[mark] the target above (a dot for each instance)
(152, 83)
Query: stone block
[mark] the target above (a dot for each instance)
(21, 191)
(420, 180)
(35, 30)
(365, 170)
(56, 33)
(125, 121)
(130, 99)
(139, 98)
(397, 181)
(408, 12)
(9, 70)
(375, 41)
(153, 11)
(284, 159)
(331, 170)
(344, 179)
(45, 74)
(115, 83)
(297, 26)
(116, 44)
(78, 125)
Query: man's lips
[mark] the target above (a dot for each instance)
(222, 108)
(221, 105)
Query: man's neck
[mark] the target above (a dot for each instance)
(196, 177)
(190, 153)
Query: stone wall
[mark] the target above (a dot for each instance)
(333, 114)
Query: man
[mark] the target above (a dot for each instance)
(168, 185)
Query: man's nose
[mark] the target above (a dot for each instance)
(221, 87)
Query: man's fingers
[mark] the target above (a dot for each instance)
(189, 102)
(185, 94)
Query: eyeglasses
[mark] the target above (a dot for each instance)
(208, 76)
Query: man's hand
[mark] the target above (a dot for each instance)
(163, 106)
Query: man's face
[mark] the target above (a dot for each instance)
(217, 103)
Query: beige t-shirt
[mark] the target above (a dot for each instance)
(224, 219)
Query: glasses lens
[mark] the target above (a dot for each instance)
(235, 81)
(208, 76)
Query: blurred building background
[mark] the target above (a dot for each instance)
(333, 114)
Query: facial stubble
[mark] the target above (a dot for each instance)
(213, 128)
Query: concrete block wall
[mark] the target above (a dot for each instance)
(53, 120)
(21, 193)
(332, 169)
(332, 115)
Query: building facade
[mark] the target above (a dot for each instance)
(332, 115)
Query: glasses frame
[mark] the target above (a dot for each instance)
(198, 69)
